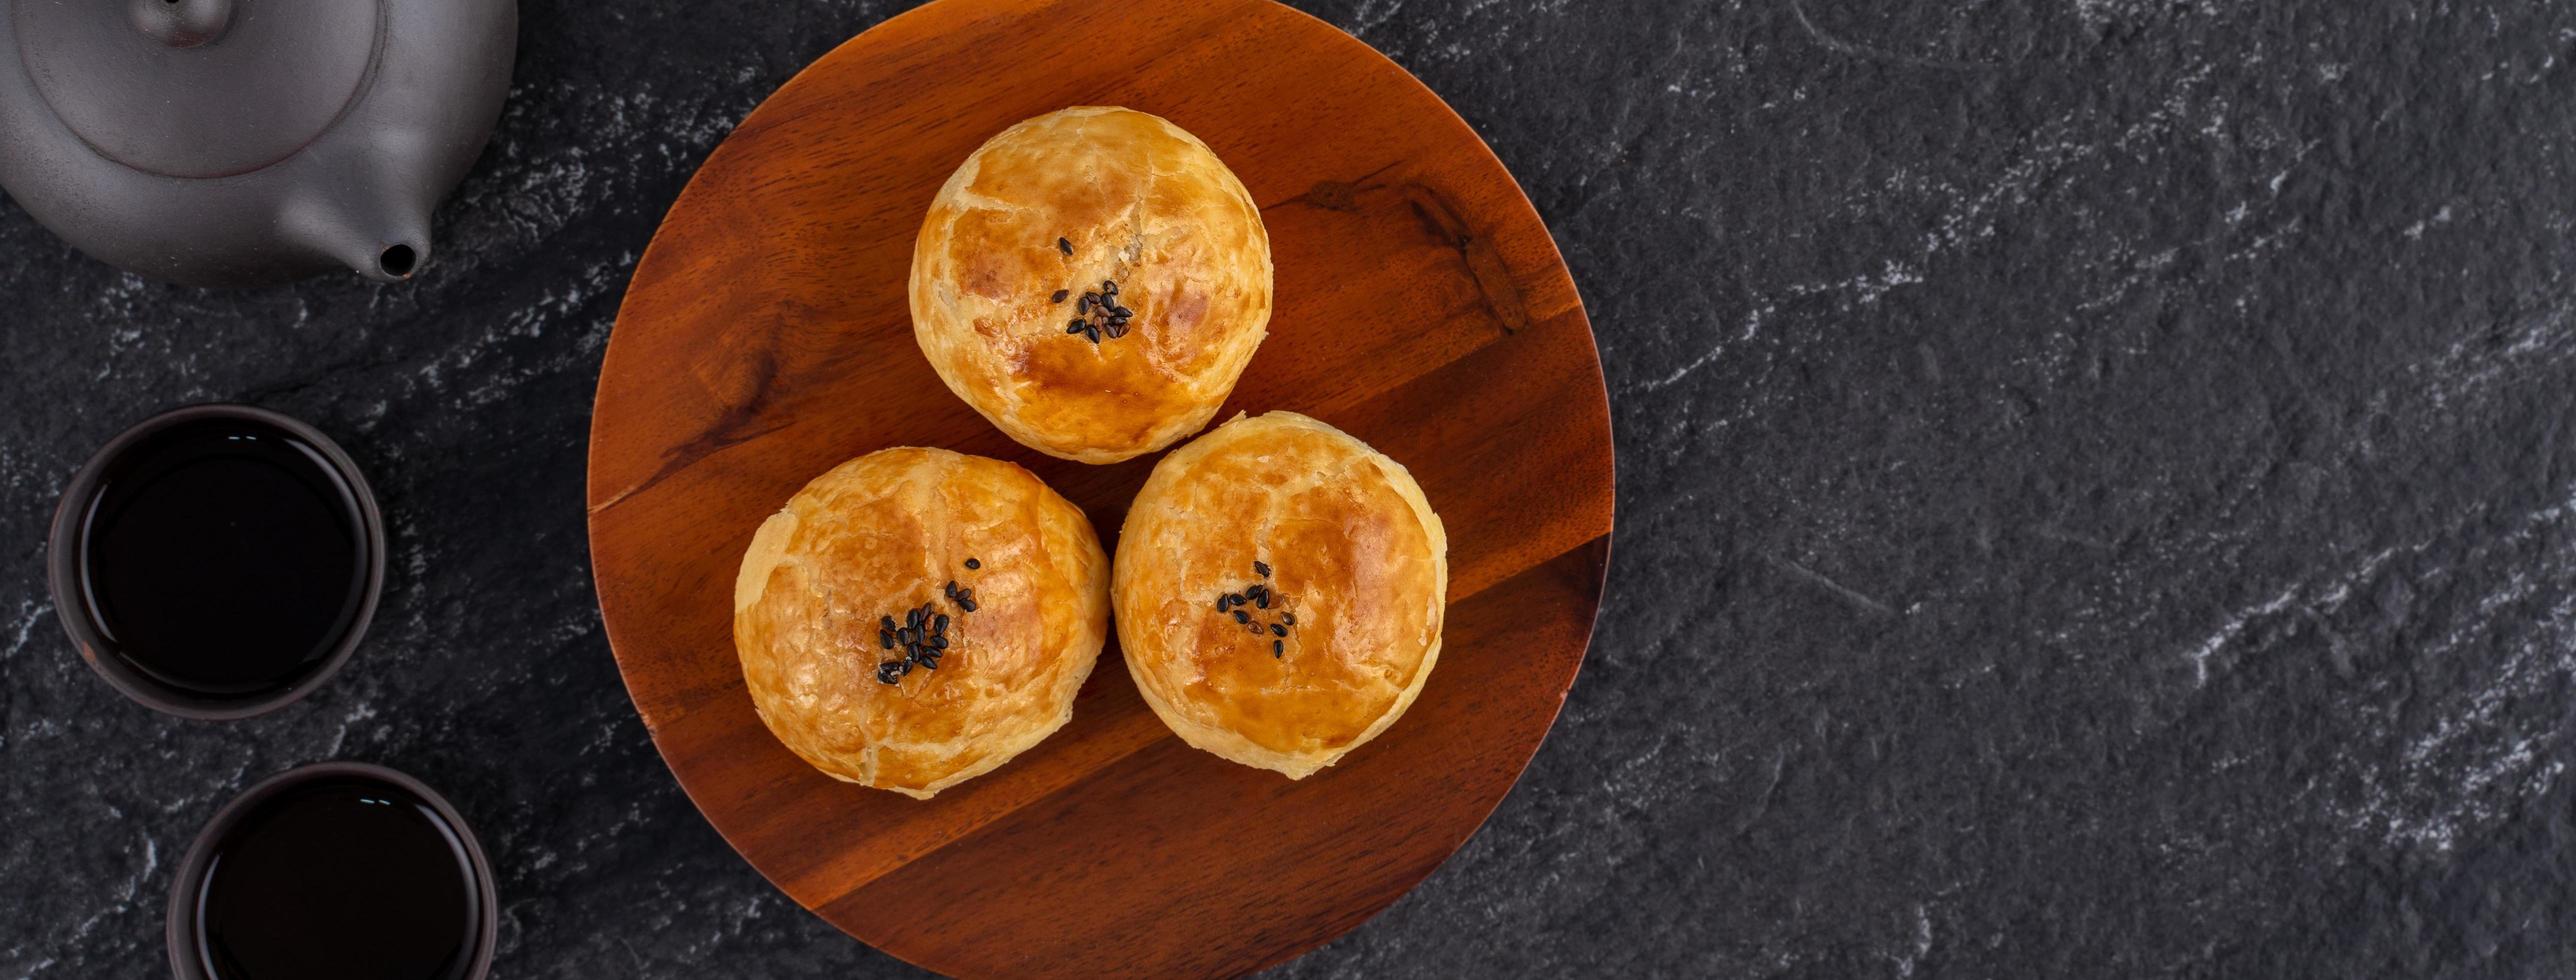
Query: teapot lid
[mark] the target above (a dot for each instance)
(145, 82)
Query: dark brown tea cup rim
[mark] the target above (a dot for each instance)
(181, 919)
(62, 566)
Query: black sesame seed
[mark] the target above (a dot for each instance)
(1064, 246)
(1278, 630)
(972, 564)
(1264, 600)
(1242, 617)
(885, 622)
(1083, 305)
(1224, 602)
(1108, 287)
(1278, 648)
(1115, 329)
(1093, 334)
(1262, 567)
(1076, 326)
(938, 643)
(966, 604)
(885, 639)
(939, 624)
(1059, 295)
(1288, 618)
(912, 618)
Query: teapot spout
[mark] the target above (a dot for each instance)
(385, 241)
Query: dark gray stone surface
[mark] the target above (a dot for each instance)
(2096, 501)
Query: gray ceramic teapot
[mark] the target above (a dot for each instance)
(235, 142)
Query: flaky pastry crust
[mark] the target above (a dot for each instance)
(881, 535)
(1356, 590)
(1064, 203)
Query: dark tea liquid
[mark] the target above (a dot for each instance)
(339, 878)
(223, 557)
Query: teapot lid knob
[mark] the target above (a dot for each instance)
(181, 23)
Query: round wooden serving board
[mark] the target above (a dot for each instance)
(1420, 306)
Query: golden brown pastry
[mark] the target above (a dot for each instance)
(1093, 281)
(916, 617)
(1280, 588)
